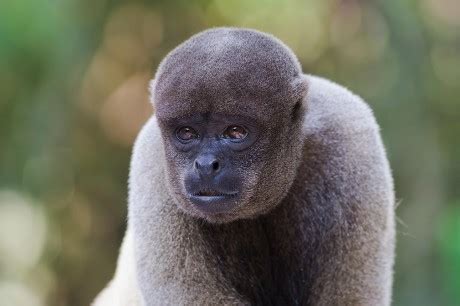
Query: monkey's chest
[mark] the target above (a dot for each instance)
(265, 272)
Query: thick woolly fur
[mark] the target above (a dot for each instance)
(320, 232)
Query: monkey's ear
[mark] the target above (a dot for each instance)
(152, 84)
(300, 90)
(300, 86)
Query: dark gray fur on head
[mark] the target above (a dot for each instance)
(215, 70)
(316, 225)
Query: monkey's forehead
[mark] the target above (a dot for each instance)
(253, 98)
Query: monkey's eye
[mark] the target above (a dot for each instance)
(235, 132)
(186, 133)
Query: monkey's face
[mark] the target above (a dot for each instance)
(207, 165)
(224, 167)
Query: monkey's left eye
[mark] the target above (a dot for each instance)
(186, 133)
(235, 132)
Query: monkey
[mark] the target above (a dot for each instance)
(254, 184)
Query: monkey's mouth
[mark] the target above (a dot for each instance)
(213, 193)
(212, 201)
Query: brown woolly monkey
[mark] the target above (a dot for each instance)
(254, 184)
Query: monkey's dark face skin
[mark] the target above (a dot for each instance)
(211, 146)
(220, 166)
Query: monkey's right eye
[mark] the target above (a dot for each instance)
(186, 133)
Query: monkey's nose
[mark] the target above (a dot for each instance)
(207, 164)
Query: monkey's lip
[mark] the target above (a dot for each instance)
(213, 193)
(211, 201)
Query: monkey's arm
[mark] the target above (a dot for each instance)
(175, 268)
(125, 290)
(355, 254)
(355, 198)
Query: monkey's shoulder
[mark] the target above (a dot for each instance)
(333, 108)
(343, 148)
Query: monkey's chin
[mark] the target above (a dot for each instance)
(215, 204)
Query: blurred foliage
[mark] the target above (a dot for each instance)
(449, 244)
(73, 84)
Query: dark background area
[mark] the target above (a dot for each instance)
(73, 95)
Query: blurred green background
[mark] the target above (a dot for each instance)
(73, 95)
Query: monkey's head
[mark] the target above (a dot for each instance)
(230, 104)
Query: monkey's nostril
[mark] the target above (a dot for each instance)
(207, 165)
(215, 165)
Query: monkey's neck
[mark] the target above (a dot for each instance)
(269, 251)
